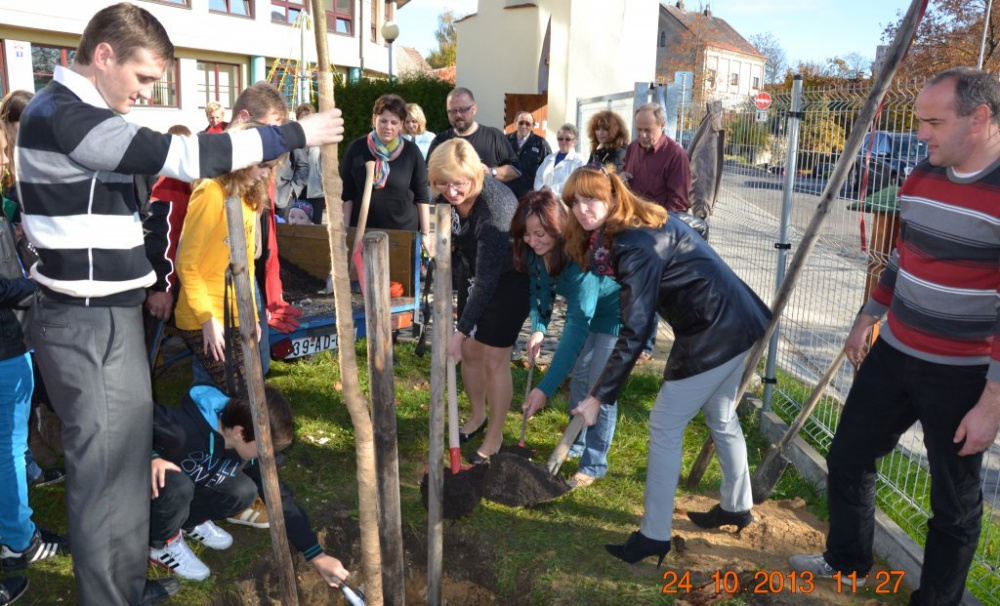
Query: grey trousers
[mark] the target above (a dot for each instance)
(714, 393)
(94, 363)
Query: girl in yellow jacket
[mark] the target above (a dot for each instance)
(202, 260)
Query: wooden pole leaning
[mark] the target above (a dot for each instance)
(904, 36)
(439, 378)
(378, 318)
(254, 374)
(364, 445)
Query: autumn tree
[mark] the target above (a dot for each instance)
(777, 65)
(447, 38)
(949, 36)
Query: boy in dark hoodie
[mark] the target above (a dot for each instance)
(210, 439)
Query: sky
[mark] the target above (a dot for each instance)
(808, 30)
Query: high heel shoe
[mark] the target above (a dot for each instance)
(638, 547)
(465, 437)
(717, 516)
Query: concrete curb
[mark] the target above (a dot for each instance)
(891, 542)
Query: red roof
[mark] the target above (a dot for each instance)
(713, 31)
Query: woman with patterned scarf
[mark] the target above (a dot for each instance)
(664, 266)
(399, 197)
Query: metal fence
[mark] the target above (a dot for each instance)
(852, 249)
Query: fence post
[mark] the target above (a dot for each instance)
(783, 245)
(641, 96)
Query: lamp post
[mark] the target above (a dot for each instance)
(390, 31)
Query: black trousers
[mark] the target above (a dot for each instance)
(891, 391)
(181, 504)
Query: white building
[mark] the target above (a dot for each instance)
(543, 56)
(222, 46)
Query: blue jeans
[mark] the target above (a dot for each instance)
(16, 384)
(594, 441)
(199, 376)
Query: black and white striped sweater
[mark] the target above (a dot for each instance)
(75, 162)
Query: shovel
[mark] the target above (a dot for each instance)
(515, 481)
(521, 449)
(425, 310)
(359, 232)
(767, 474)
(354, 598)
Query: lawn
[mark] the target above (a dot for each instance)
(550, 554)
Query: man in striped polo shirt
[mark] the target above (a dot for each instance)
(76, 158)
(937, 359)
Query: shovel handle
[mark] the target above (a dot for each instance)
(527, 390)
(562, 448)
(366, 200)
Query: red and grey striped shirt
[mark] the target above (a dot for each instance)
(940, 286)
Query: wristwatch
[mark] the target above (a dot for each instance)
(493, 172)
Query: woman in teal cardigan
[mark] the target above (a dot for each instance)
(591, 329)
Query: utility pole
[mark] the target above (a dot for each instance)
(986, 27)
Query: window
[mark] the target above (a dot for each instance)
(174, 2)
(165, 90)
(710, 78)
(44, 60)
(755, 81)
(663, 39)
(220, 82)
(239, 8)
(286, 11)
(340, 17)
(734, 79)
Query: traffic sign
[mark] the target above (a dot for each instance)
(761, 116)
(762, 100)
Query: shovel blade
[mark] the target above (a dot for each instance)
(767, 474)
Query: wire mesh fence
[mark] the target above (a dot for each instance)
(853, 247)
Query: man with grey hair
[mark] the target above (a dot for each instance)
(656, 166)
(497, 156)
(530, 148)
(936, 358)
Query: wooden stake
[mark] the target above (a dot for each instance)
(439, 369)
(249, 335)
(904, 35)
(364, 445)
(378, 318)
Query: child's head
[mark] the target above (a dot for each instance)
(236, 423)
(250, 183)
(300, 213)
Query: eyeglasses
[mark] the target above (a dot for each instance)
(460, 110)
(525, 123)
(565, 138)
(456, 186)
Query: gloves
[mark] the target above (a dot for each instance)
(284, 319)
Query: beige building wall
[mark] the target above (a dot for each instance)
(597, 47)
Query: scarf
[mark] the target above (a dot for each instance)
(600, 257)
(381, 151)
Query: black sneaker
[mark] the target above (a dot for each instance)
(158, 590)
(43, 545)
(49, 477)
(11, 589)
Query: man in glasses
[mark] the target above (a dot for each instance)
(497, 156)
(530, 149)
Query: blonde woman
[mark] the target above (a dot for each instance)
(415, 128)
(202, 263)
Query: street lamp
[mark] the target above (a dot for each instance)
(390, 31)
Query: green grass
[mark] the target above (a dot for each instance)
(550, 554)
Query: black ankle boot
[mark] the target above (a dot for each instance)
(717, 516)
(638, 547)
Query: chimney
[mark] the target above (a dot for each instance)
(680, 4)
(708, 10)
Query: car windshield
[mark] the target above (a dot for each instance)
(909, 147)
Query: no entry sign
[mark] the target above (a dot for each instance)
(762, 100)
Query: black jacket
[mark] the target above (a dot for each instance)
(184, 437)
(529, 157)
(674, 272)
(15, 290)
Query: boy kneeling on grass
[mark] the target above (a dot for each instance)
(209, 439)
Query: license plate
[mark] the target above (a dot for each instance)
(310, 345)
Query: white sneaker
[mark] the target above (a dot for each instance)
(178, 558)
(211, 535)
(816, 564)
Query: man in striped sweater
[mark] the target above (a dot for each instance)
(937, 358)
(76, 158)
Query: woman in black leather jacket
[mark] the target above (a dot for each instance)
(665, 267)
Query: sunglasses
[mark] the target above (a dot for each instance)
(565, 138)
(524, 123)
(459, 110)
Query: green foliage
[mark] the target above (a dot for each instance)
(447, 38)
(356, 100)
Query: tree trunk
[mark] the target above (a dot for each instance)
(356, 405)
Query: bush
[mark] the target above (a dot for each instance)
(356, 100)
